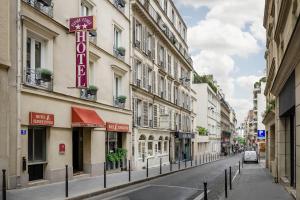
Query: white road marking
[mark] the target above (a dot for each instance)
(235, 175)
(174, 186)
(201, 196)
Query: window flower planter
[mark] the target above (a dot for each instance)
(121, 51)
(45, 75)
(92, 90)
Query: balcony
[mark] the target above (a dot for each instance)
(119, 101)
(119, 52)
(44, 6)
(88, 95)
(35, 78)
(143, 5)
(120, 4)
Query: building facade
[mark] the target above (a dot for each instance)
(226, 134)
(208, 109)
(281, 118)
(161, 84)
(59, 124)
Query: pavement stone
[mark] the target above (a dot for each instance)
(255, 182)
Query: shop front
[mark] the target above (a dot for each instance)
(39, 126)
(84, 121)
(183, 146)
(116, 146)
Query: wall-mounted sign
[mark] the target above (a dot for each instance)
(81, 59)
(62, 148)
(23, 132)
(114, 127)
(41, 119)
(82, 23)
(261, 134)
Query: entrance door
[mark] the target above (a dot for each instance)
(77, 150)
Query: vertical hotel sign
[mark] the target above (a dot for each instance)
(81, 26)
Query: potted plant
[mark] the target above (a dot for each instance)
(92, 90)
(45, 74)
(121, 99)
(121, 51)
(112, 158)
(121, 154)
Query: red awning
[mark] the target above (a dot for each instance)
(86, 118)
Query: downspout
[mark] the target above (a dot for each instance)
(18, 88)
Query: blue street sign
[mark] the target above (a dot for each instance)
(261, 133)
(23, 132)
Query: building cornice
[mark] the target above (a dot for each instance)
(289, 61)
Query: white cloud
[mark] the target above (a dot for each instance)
(231, 28)
(222, 38)
(247, 82)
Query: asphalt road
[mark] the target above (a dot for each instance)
(178, 186)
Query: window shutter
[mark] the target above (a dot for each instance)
(135, 112)
(147, 77)
(145, 106)
(154, 82)
(144, 75)
(153, 47)
(179, 121)
(133, 31)
(158, 54)
(134, 73)
(158, 84)
(145, 39)
(155, 116)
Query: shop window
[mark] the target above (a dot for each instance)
(36, 153)
(159, 145)
(141, 146)
(150, 145)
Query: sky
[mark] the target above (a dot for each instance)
(226, 38)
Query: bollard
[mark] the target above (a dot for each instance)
(226, 192)
(147, 170)
(205, 190)
(104, 176)
(191, 162)
(170, 166)
(129, 171)
(178, 164)
(239, 167)
(185, 162)
(230, 179)
(242, 162)
(67, 183)
(160, 170)
(4, 184)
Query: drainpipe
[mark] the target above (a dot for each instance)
(18, 88)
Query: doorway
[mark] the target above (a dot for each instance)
(77, 140)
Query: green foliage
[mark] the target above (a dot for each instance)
(270, 106)
(93, 88)
(209, 79)
(121, 51)
(45, 74)
(241, 140)
(257, 84)
(116, 156)
(121, 99)
(263, 79)
(202, 130)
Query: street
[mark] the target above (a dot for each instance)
(182, 185)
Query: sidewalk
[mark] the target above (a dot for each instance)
(255, 182)
(86, 185)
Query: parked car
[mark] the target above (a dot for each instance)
(250, 156)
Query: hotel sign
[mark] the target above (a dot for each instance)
(114, 127)
(81, 26)
(41, 119)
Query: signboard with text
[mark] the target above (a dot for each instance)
(117, 127)
(41, 119)
(81, 59)
(82, 23)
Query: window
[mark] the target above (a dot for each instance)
(117, 37)
(173, 17)
(150, 145)
(35, 49)
(159, 145)
(138, 32)
(117, 85)
(86, 9)
(166, 144)
(145, 113)
(141, 146)
(91, 74)
(169, 63)
(36, 144)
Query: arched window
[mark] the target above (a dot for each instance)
(150, 145)
(159, 148)
(166, 144)
(141, 147)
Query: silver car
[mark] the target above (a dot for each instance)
(250, 156)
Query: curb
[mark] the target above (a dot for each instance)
(102, 191)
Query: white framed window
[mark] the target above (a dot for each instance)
(141, 146)
(86, 8)
(166, 144)
(150, 145)
(173, 17)
(117, 85)
(159, 145)
(138, 31)
(35, 52)
(117, 37)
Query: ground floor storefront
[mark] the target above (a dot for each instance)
(152, 145)
(73, 135)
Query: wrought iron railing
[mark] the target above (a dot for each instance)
(33, 77)
(118, 55)
(45, 6)
(118, 104)
(85, 94)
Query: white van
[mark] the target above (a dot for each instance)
(250, 156)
